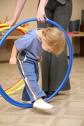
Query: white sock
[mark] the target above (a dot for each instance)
(41, 104)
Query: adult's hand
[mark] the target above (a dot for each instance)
(10, 22)
(41, 15)
(41, 10)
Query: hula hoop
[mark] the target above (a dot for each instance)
(26, 105)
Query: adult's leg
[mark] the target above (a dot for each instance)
(59, 64)
(47, 57)
(46, 60)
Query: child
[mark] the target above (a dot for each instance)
(28, 49)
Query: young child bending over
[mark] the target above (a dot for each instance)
(28, 50)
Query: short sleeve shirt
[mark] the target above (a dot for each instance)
(30, 44)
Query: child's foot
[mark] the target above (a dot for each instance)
(41, 104)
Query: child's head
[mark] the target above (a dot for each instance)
(53, 40)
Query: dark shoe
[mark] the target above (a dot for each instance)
(49, 93)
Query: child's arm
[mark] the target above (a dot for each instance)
(13, 59)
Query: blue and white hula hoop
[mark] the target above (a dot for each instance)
(26, 105)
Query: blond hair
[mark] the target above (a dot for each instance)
(55, 39)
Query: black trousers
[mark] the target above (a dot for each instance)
(54, 68)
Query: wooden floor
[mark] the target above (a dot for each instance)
(69, 106)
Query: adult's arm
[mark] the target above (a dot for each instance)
(19, 6)
(41, 10)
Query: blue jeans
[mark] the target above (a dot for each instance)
(29, 72)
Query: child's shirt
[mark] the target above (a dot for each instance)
(30, 44)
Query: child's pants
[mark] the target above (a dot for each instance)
(29, 72)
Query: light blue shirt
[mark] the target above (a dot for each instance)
(30, 44)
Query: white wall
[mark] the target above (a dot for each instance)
(7, 8)
(78, 5)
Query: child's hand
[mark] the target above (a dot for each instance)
(12, 61)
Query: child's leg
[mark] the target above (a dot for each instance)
(25, 96)
(32, 87)
(30, 71)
